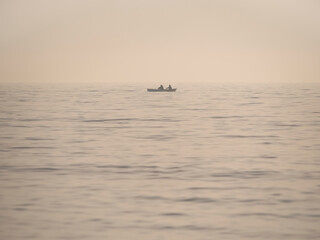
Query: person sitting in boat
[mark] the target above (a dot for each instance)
(169, 88)
(160, 88)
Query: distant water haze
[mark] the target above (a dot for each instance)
(151, 41)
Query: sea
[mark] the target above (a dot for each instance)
(118, 162)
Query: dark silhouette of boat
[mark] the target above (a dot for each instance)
(161, 90)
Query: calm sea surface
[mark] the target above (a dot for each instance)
(121, 163)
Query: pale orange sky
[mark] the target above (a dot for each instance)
(134, 41)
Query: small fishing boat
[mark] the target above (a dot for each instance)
(161, 90)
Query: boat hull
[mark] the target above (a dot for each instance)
(161, 90)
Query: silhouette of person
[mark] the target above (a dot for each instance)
(161, 87)
(169, 88)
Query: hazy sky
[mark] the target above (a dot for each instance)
(159, 41)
